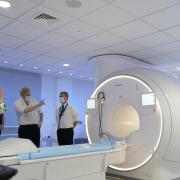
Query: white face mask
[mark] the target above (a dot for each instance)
(27, 98)
(62, 100)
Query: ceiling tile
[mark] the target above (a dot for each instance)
(154, 39)
(143, 7)
(98, 52)
(78, 60)
(144, 54)
(22, 30)
(4, 50)
(61, 54)
(36, 48)
(168, 48)
(74, 40)
(29, 16)
(134, 30)
(59, 66)
(37, 1)
(87, 6)
(23, 55)
(174, 32)
(71, 72)
(10, 60)
(54, 68)
(30, 64)
(174, 56)
(125, 47)
(165, 19)
(78, 30)
(81, 48)
(4, 21)
(108, 17)
(10, 41)
(18, 7)
(44, 60)
(85, 68)
(104, 39)
(56, 40)
(159, 60)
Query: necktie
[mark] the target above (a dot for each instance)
(27, 103)
(61, 112)
(62, 109)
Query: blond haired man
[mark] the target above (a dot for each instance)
(30, 116)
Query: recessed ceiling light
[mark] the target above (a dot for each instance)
(5, 4)
(178, 68)
(48, 70)
(91, 78)
(35, 67)
(5, 62)
(81, 76)
(21, 65)
(60, 72)
(71, 74)
(66, 65)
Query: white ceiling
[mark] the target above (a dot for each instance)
(145, 29)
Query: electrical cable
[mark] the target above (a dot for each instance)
(100, 109)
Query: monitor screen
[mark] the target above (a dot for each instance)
(91, 103)
(148, 99)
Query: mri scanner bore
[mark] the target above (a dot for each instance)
(118, 117)
(139, 108)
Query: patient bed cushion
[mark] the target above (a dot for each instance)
(46, 152)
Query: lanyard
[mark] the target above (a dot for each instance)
(61, 112)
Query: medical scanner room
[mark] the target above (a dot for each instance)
(89, 90)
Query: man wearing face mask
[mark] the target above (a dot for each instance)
(67, 119)
(30, 116)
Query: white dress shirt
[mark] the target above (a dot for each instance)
(30, 117)
(68, 118)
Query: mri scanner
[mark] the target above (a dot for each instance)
(132, 124)
(140, 107)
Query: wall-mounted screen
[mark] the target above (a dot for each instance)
(148, 99)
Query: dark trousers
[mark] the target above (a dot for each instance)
(31, 132)
(1, 120)
(65, 136)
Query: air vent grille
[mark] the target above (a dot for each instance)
(45, 17)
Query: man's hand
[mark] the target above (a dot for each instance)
(1, 126)
(40, 124)
(75, 124)
(41, 102)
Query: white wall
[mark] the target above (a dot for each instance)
(48, 92)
